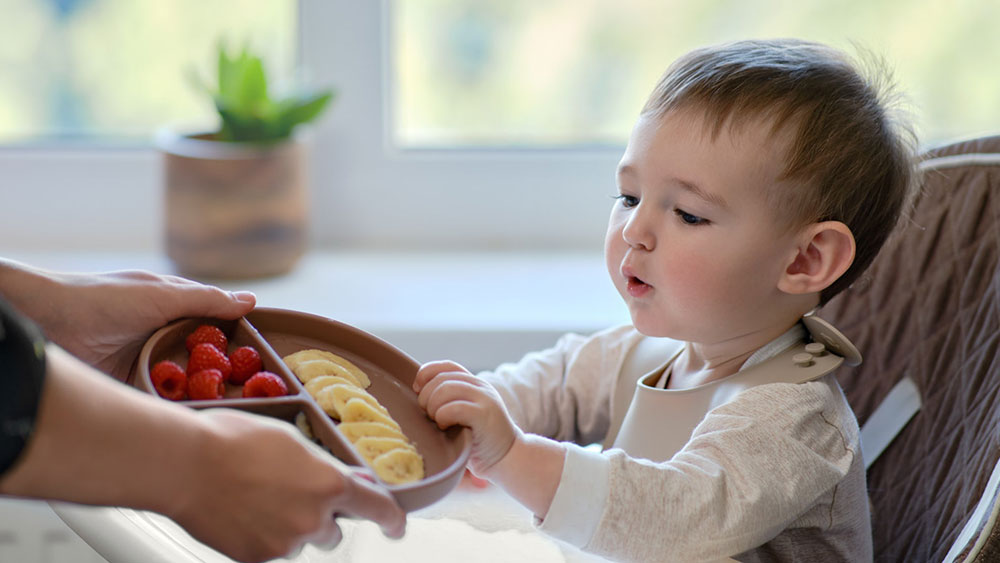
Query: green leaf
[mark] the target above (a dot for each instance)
(247, 112)
(253, 85)
(301, 109)
(228, 75)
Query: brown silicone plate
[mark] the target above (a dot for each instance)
(275, 333)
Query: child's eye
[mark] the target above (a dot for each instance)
(627, 200)
(689, 219)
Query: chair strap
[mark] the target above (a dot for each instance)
(889, 419)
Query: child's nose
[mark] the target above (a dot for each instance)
(636, 232)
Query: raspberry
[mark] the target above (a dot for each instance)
(207, 356)
(169, 380)
(246, 362)
(207, 333)
(206, 384)
(264, 384)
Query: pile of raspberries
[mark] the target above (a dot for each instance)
(209, 368)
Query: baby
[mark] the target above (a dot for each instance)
(761, 178)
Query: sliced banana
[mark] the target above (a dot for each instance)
(302, 423)
(315, 385)
(333, 398)
(371, 447)
(294, 360)
(338, 394)
(354, 431)
(338, 387)
(398, 466)
(358, 374)
(311, 369)
(360, 410)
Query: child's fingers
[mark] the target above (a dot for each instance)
(451, 389)
(433, 389)
(431, 384)
(431, 369)
(462, 413)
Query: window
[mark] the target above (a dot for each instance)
(115, 70)
(460, 124)
(571, 72)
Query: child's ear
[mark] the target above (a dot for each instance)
(824, 253)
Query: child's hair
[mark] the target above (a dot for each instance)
(852, 154)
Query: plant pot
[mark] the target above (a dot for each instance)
(233, 210)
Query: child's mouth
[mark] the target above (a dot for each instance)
(636, 287)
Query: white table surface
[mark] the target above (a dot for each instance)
(470, 525)
(477, 309)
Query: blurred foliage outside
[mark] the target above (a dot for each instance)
(114, 70)
(562, 72)
(521, 73)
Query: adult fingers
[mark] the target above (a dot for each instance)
(197, 300)
(329, 537)
(364, 499)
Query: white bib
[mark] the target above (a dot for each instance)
(658, 422)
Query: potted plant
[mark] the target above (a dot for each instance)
(236, 198)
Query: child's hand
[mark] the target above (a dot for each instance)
(451, 395)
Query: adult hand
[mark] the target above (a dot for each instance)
(249, 486)
(103, 319)
(260, 495)
(452, 395)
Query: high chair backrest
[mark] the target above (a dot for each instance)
(929, 309)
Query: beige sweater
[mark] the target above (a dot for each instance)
(774, 475)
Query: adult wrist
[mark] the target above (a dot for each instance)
(197, 451)
(29, 290)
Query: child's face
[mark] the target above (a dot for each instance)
(691, 245)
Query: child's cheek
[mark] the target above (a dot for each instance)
(694, 275)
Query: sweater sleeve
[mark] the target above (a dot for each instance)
(564, 393)
(751, 468)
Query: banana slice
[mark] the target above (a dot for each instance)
(371, 447)
(360, 410)
(333, 400)
(354, 431)
(399, 466)
(338, 386)
(302, 423)
(315, 385)
(294, 360)
(311, 369)
(361, 376)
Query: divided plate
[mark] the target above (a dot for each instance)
(276, 333)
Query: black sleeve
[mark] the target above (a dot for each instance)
(22, 374)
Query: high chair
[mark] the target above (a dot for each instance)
(929, 309)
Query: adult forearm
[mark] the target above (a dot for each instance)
(98, 442)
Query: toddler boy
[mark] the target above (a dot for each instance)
(761, 178)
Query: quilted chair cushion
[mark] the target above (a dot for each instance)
(929, 309)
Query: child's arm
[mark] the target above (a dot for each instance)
(528, 467)
(753, 467)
